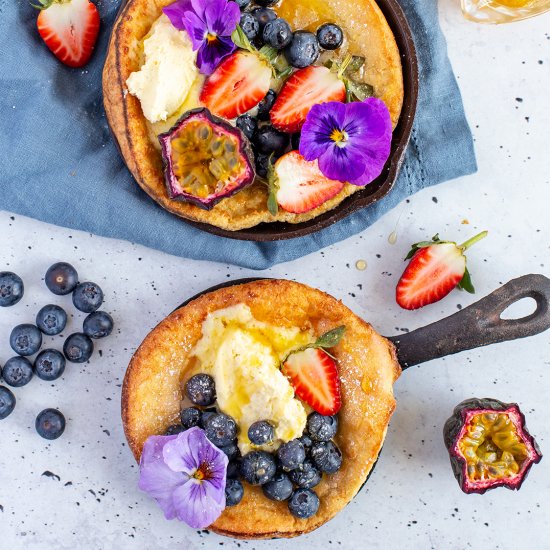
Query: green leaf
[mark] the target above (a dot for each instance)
(241, 40)
(423, 244)
(358, 90)
(354, 65)
(329, 339)
(466, 283)
(273, 186)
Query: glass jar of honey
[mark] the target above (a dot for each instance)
(502, 11)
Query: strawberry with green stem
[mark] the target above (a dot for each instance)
(435, 269)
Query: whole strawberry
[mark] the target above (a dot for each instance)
(435, 269)
(69, 28)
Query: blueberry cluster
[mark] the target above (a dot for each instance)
(26, 339)
(289, 475)
(301, 49)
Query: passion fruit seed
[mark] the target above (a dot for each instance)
(492, 448)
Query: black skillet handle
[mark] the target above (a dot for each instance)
(479, 324)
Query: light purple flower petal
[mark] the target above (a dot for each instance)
(181, 454)
(176, 12)
(196, 29)
(198, 504)
(226, 23)
(156, 478)
(210, 55)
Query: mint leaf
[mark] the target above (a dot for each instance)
(358, 90)
(466, 283)
(241, 40)
(329, 339)
(354, 65)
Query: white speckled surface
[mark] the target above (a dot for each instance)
(412, 499)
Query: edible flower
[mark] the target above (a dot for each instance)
(186, 475)
(209, 24)
(351, 141)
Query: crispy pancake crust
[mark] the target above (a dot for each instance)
(370, 36)
(152, 393)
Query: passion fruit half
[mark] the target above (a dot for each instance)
(489, 445)
(206, 159)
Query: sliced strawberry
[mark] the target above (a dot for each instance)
(238, 84)
(304, 89)
(69, 28)
(300, 185)
(435, 269)
(314, 376)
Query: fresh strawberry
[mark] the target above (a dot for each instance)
(298, 185)
(436, 268)
(304, 89)
(237, 85)
(69, 28)
(314, 375)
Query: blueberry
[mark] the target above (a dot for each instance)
(303, 503)
(234, 492)
(291, 454)
(51, 319)
(17, 371)
(269, 140)
(250, 25)
(279, 488)
(258, 467)
(248, 125)
(98, 324)
(7, 402)
(277, 34)
(295, 141)
(326, 456)
(61, 278)
(266, 104)
(25, 339)
(174, 429)
(265, 3)
(87, 297)
(321, 428)
(306, 475)
(221, 429)
(201, 390)
(206, 414)
(233, 468)
(307, 442)
(330, 36)
(261, 432)
(263, 16)
(242, 3)
(50, 424)
(262, 162)
(231, 450)
(190, 417)
(11, 288)
(49, 364)
(303, 51)
(78, 348)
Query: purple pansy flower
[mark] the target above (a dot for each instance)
(186, 475)
(209, 24)
(351, 141)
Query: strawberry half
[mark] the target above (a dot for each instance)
(69, 28)
(237, 85)
(304, 89)
(314, 376)
(299, 186)
(435, 269)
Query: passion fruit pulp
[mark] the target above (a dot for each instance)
(206, 159)
(489, 445)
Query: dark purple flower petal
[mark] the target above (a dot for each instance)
(176, 12)
(338, 163)
(221, 16)
(211, 54)
(196, 29)
(198, 504)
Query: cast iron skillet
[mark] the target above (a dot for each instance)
(382, 185)
(479, 324)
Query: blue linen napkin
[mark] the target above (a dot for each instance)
(60, 165)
